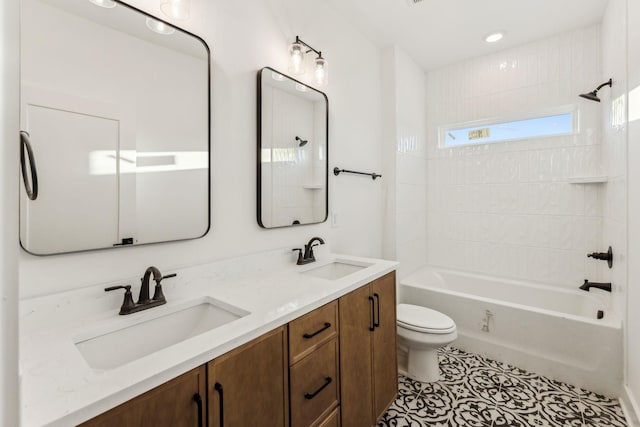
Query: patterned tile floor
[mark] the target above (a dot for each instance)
(478, 392)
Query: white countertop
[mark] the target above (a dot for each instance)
(58, 388)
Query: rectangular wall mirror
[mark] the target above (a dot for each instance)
(293, 127)
(115, 113)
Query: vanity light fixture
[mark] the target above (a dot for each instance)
(176, 9)
(107, 4)
(296, 58)
(320, 71)
(160, 27)
(297, 52)
(494, 37)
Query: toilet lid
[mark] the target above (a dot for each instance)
(419, 318)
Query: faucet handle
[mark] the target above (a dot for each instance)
(127, 303)
(157, 293)
(311, 255)
(113, 288)
(299, 255)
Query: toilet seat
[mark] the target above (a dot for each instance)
(423, 319)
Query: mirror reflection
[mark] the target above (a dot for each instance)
(115, 105)
(292, 152)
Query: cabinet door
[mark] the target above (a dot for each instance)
(355, 358)
(249, 386)
(172, 404)
(385, 364)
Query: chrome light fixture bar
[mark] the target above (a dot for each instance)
(297, 52)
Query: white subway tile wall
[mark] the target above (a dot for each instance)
(508, 208)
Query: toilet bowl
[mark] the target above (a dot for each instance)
(423, 331)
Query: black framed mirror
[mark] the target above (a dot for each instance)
(115, 104)
(293, 151)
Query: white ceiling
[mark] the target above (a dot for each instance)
(440, 32)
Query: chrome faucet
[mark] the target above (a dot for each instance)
(308, 255)
(588, 285)
(144, 302)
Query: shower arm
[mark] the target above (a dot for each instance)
(609, 83)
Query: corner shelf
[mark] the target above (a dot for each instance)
(589, 179)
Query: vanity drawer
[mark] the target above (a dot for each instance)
(312, 330)
(314, 385)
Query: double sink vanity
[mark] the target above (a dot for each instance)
(255, 340)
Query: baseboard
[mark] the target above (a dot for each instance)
(630, 407)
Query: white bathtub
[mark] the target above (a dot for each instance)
(554, 332)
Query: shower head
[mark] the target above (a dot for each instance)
(302, 142)
(593, 95)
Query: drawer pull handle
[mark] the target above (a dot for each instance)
(310, 396)
(218, 387)
(326, 326)
(377, 297)
(373, 321)
(198, 400)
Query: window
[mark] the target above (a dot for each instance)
(493, 131)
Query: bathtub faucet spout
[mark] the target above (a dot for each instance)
(588, 285)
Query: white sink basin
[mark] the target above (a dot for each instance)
(108, 348)
(336, 269)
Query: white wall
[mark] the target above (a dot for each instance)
(632, 336)
(237, 55)
(9, 83)
(389, 125)
(507, 209)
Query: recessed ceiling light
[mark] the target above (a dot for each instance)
(107, 4)
(159, 27)
(494, 37)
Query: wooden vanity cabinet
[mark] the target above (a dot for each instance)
(368, 361)
(249, 385)
(173, 403)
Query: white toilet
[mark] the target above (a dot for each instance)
(423, 331)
